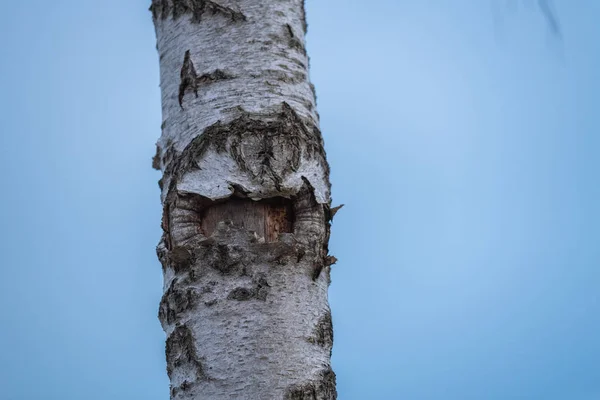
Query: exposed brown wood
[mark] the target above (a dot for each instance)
(267, 218)
(278, 220)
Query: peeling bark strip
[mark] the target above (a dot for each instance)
(246, 204)
(196, 8)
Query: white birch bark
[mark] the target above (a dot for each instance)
(246, 199)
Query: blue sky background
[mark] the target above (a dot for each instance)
(464, 143)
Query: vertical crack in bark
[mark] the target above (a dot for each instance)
(161, 9)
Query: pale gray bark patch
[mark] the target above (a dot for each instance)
(321, 388)
(196, 8)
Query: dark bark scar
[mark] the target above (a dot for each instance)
(188, 77)
(191, 81)
(161, 9)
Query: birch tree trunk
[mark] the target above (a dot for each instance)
(246, 198)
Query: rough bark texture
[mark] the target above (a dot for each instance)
(246, 199)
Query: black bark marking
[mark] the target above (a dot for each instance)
(196, 8)
(176, 301)
(221, 257)
(188, 77)
(323, 332)
(180, 258)
(181, 352)
(290, 31)
(259, 292)
(162, 253)
(180, 7)
(299, 63)
(304, 23)
(191, 80)
(210, 303)
(292, 77)
(159, 9)
(262, 288)
(314, 91)
(216, 75)
(294, 41)
(156, 159)
(241, 294)
(323, 388)
(185, 386)
(318, 268)
(267, 156)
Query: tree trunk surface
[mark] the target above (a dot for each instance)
(246, 203)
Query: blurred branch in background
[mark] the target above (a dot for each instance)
(546, 7)
(548, 11)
